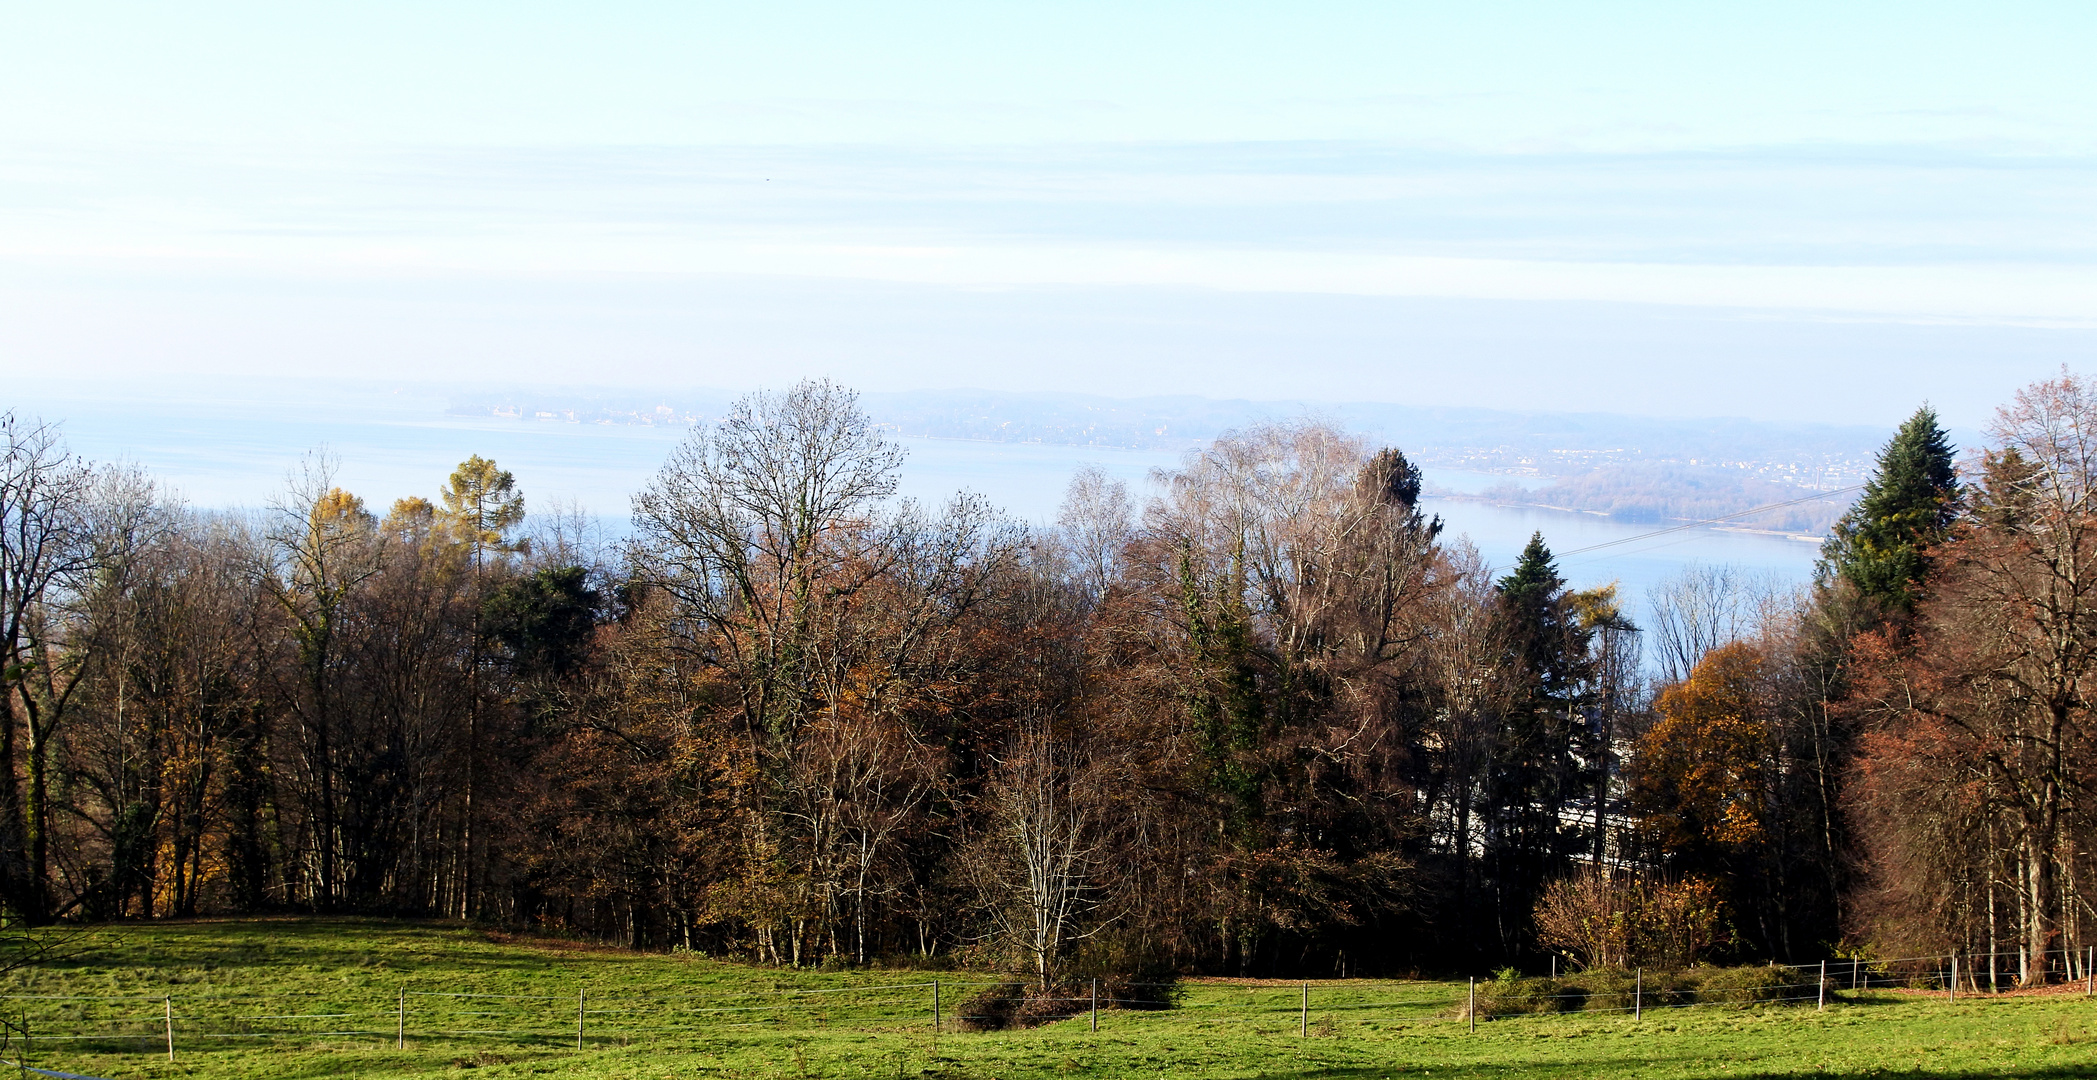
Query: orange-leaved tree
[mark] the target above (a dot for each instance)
(1699, 789)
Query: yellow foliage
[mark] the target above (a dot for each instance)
(1701, 768)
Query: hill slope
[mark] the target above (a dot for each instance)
(329, 997)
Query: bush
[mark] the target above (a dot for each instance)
(1748, 986)
(1513, 997)
(1013, 1005)
(1611, 919)
(1616, 990)
(1028, 1004)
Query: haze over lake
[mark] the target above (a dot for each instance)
(231, 452)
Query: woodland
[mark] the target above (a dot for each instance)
(1271, 720)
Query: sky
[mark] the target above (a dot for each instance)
(1806, 212)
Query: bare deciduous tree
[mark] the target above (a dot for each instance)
(1036, 867)
(1704, 607)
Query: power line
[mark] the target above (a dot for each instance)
(1700, 524)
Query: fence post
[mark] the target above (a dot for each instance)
(1823, 986)
(1951, 989)
(400, 1021)
(1095, 1004)
(1638, 995)
(935, 1008)
(578, 1017)
(167, 1004)
(2089, 972)
(1473, 1010)
(1305, 1016)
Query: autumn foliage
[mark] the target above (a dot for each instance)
(1269, 720)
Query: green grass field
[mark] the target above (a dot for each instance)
(314, 998)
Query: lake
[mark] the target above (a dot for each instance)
(217, 452)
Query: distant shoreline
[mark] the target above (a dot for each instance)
(1663, 523)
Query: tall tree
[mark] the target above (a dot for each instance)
(1880, 547)
(1994, 691)
(1535, 766)
(320, 552)
(483, 503)
(60, 522)
(1613, 692)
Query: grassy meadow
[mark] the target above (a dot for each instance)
(329, 997)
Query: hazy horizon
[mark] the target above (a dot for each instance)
(1629, 208)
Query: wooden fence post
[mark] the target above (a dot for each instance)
(2089, 972)
(168, 1004)
(400, 1021)
(1823, 986)
(935, 1009)
(1095, 1005)
(1305, 1015)
(578, 1017)
(1856, 968)
(1638, 995)
(1473, 1010)
(1951, 988)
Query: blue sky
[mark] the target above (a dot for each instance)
(1800, 211)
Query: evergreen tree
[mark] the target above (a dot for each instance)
(544, 621)
(1535, 771)
(1536, 603)
(1878, 547)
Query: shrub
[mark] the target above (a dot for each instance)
(1028, 1004)
(1748, 986)
(1510, 996)
(1611, 919)
(1617, 990)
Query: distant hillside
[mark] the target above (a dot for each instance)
(1663, 493)
(1638, 468)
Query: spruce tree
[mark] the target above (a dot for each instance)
(1535, 599)
(1534, 772)
(1878, 547)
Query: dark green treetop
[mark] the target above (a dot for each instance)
(1878, 548)
(544, 620)
(1544, 628)
(1390, 478)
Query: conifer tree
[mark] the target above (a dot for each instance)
(1878, 548)
(1536, 602)
(1534, 771)
(483, 502)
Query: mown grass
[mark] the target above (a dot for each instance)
(259, 998)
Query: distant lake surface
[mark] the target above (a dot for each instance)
(239, 453)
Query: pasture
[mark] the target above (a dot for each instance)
(297, 998)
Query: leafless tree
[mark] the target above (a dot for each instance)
(1097, 521)
(753, 522)
(1037, 865)
(66, 530)
(1700, 609)
(322, 546)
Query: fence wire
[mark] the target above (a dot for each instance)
(169, 1022)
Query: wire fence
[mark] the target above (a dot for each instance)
(48, 1027)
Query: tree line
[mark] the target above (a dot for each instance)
(1271, 721)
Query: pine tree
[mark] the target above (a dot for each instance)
(1879, 547)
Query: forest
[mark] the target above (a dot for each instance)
(1270, 720)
